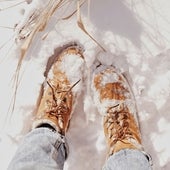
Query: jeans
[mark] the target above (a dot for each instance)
(44, 149)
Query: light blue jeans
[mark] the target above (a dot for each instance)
(44, 149)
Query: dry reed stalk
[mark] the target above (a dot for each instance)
(12, 5)
(82, 27)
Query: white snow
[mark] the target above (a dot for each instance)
(136, 37)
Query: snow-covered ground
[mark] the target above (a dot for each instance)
(136, 37)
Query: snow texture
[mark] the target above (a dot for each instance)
(136, 37)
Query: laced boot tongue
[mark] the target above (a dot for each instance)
(121, 130)
(55, 108)
(61, 112)
(60, 107)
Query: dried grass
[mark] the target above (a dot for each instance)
(37, 23)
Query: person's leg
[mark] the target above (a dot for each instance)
(128, 159)
(115, 102)
(41, 149)
(45, 146)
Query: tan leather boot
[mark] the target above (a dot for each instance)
(61, 90)
(114, 100)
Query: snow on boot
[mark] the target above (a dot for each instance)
(114, 100)
(63, 86)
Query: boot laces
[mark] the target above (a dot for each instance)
(59, 109)
(117, 125)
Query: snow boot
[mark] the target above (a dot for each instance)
(61, 89)
(114, 100)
